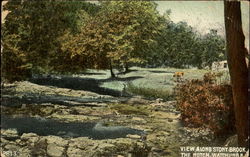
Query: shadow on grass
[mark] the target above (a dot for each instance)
(126, 72)
(155, 71)
(15, 101)
(86, 84)
(121, 79)
(92, 73)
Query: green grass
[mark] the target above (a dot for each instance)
(153, 78)
(131, 109)
(148, 82)
(151, 93)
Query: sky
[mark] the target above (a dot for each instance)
(203, 15)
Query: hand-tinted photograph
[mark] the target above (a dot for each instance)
(124, 78)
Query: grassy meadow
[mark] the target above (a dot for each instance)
(153, 78)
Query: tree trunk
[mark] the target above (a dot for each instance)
(126, 68)
(237, 67)
(111, 70)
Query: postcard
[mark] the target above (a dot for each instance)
(124, 78)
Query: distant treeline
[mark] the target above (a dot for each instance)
(63, 36)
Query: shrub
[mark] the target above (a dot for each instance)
(150, 93)
(203, 103)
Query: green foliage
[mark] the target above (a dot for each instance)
(61, 36)
(32, 33)
(150, 93)
(213, 48)
(120, 34)
(14, 63)
(203, 103)
(180, 46)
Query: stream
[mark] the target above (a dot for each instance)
(44, 127)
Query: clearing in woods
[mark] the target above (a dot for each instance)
(101, 111)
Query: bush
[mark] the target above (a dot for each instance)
(149, 92)
(203, 103)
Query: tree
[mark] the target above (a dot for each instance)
(32, 36)
(122, 33)
(74, 49)
(135, 27)
(236, 52)
(213, 48)
(178, 45)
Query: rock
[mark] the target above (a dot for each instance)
(136, 101)
(151, 116)
(54, 150)
(24, 152)
(30, 137)
(157, 105)
(121, 142)
(153, 149)
(171, 102)
(166, 152)
(9, 133)
(12, 147)
(166, 133)
(4, 141)
(106, 146)
(27, 136)
(47, 110)
(159, 100)
(18, 141)
(133, 136)
(83, 143)
(76, 152)
(171, 130)
(137, 119)
(141, 120)
(170, 120)
(148, 130)
(56, 140)
(73, 118)
(231, 141)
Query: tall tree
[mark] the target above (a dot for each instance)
(236, 52)
(135, 26)
(120, 34)
(33, 34)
